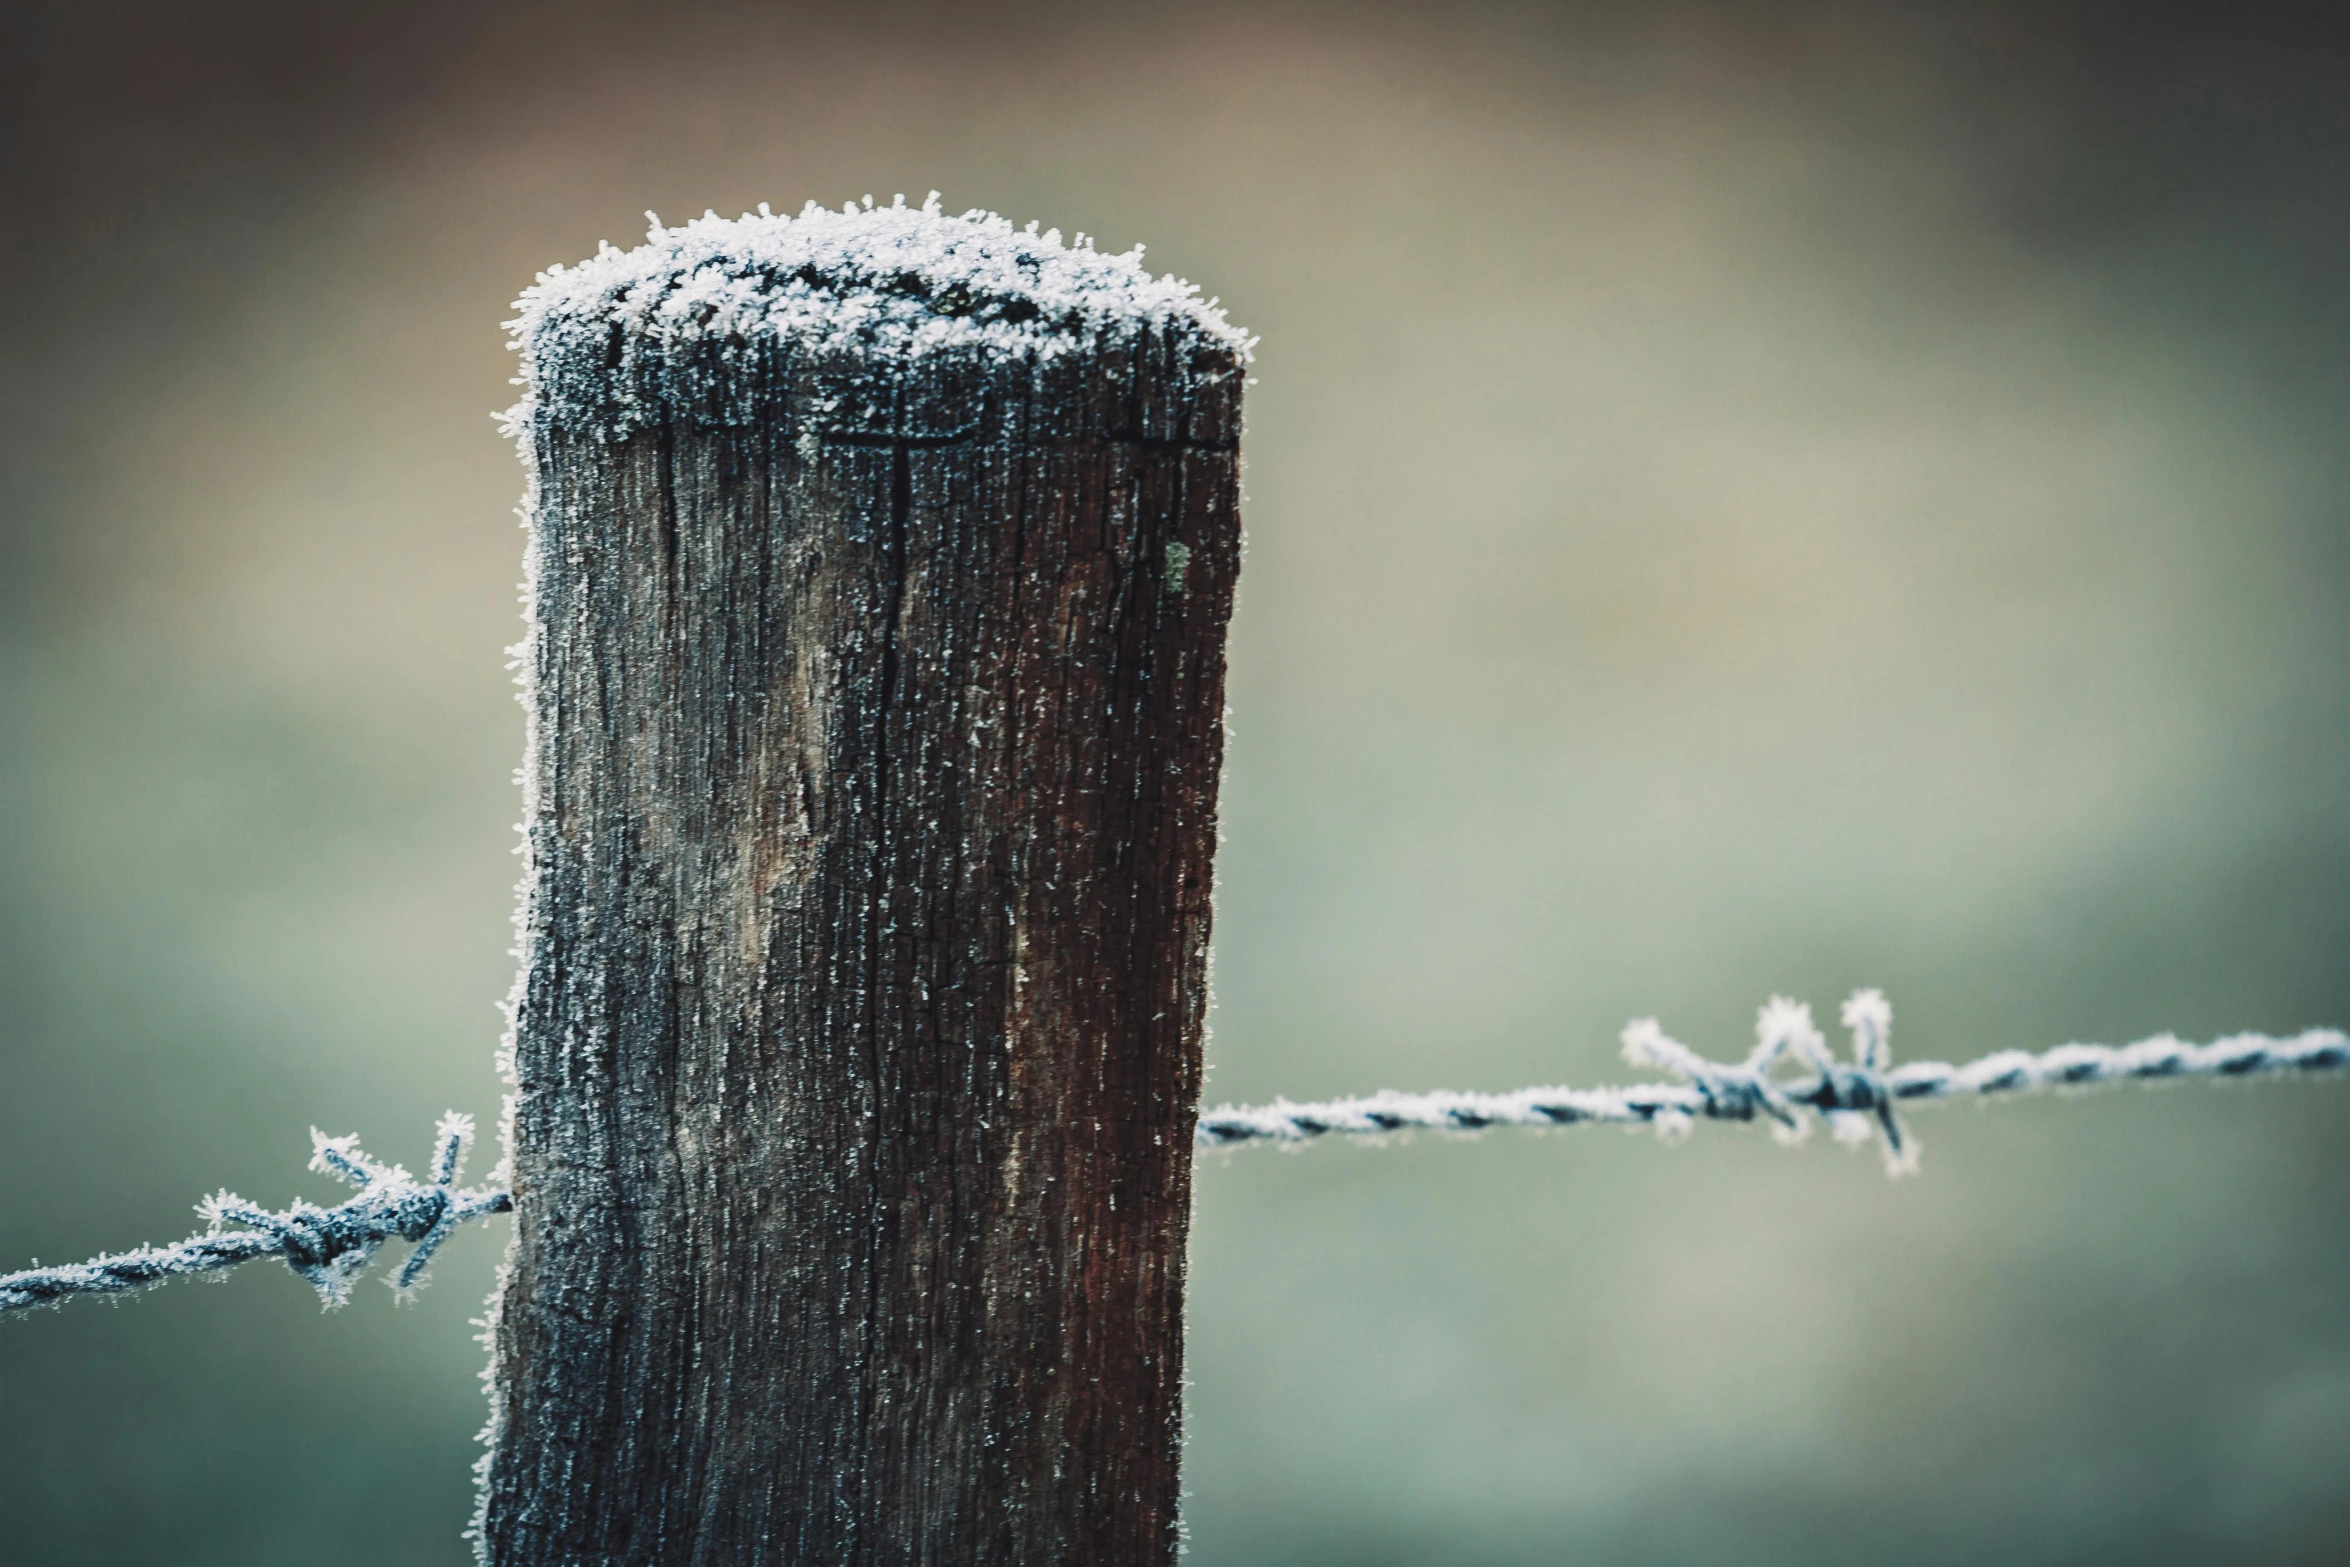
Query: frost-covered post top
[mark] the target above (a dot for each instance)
(707, 320)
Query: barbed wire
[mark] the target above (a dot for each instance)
(327, 1247)
(1857, 1098)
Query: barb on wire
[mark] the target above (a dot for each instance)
(327, 1247)
(1857, 1098)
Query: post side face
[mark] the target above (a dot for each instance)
(858, 1048)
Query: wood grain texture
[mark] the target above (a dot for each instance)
(871, 821)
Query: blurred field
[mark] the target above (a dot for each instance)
(1739, 502)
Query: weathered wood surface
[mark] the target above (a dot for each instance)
(870, 818)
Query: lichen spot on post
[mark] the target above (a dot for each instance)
(878, 570)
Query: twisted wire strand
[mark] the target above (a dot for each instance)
(1857, 1098)
(326, 1247)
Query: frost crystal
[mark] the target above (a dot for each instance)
(326, 1247)
(687, 319)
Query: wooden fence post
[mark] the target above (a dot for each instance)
(880, 563)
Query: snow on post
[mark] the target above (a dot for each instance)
(878, 570)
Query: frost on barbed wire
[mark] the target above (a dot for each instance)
(327, 1247)
(1856, 1097)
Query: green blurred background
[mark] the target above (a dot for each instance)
(1740, 500)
